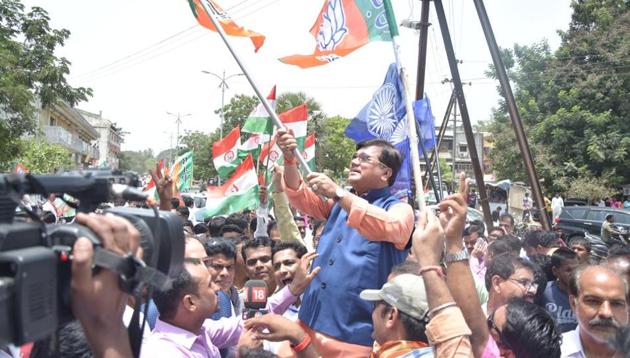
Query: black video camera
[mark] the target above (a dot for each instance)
(35, 259)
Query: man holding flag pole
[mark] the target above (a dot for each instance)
(368, 229)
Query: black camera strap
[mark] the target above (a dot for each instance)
(133, 274)
(131, 269)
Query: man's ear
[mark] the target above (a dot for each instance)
(573, 302)
(189, 303)
(496, 280)
(387, 174)
(391, 317)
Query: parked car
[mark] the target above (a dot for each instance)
(577, 220)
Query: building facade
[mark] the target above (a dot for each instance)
(109, 141)
(64, 125)
(456, 153)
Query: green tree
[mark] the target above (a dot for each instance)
(589, 188)
(334, 149)
(574, 102)
(29, 72)
(40, 157)
(237, 111)
(138, 161)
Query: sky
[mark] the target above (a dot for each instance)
(143, 59)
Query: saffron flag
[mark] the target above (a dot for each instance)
(309, 151)
(342, 27)
(295, 119)
(259, 120)
(182, 172)
(229, 26)
(385, 117)
(238, 193)
(224, 153)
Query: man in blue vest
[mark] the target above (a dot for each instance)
(366, 232)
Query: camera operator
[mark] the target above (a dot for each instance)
(96, 299)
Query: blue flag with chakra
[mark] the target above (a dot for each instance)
(385, 117)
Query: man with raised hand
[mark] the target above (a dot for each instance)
(365, 235)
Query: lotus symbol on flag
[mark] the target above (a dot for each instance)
(229, 156)
(333, 28)
(381, 112)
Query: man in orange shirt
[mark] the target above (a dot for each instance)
(366, 234)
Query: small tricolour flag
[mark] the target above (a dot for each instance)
(238, 193)
(259, 121)
(253, 145)
(225, 153)
(295, 119)
(309, 151)
(229, 26)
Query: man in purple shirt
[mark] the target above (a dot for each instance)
(183, 328)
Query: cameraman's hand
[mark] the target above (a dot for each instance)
(96, 300)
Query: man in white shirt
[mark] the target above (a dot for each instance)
(556, 205)
(598, 299)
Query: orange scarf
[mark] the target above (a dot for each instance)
(395, 349)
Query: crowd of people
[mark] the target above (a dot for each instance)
(374, 279)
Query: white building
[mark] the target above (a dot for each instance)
(64, 125)
(109, 141)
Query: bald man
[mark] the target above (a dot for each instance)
(598, 297)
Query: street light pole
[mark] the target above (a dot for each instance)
(178, 121)
(223, 86)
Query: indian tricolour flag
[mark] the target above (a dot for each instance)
(259, 121)
(295, 119)
(253, 145)
(238, 193)
(224, 153)
(309, 151)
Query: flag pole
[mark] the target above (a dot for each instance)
(250, 79)
(411, 119)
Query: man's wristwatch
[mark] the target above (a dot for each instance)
(339, 193)
(458, 256)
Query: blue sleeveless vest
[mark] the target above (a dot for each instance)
(350, 263)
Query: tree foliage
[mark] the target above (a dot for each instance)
(334, 150)
(201, 144)
(40, 157)
(138, 161)
(573, 102)
(236, 111)
(29, 73)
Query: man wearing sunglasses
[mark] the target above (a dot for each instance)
(365, 235)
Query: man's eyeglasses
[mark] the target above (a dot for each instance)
(366, 158)
(526, 284)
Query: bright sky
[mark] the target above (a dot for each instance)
(144, 58)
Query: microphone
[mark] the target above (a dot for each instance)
(127, 192)
(255, 298)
